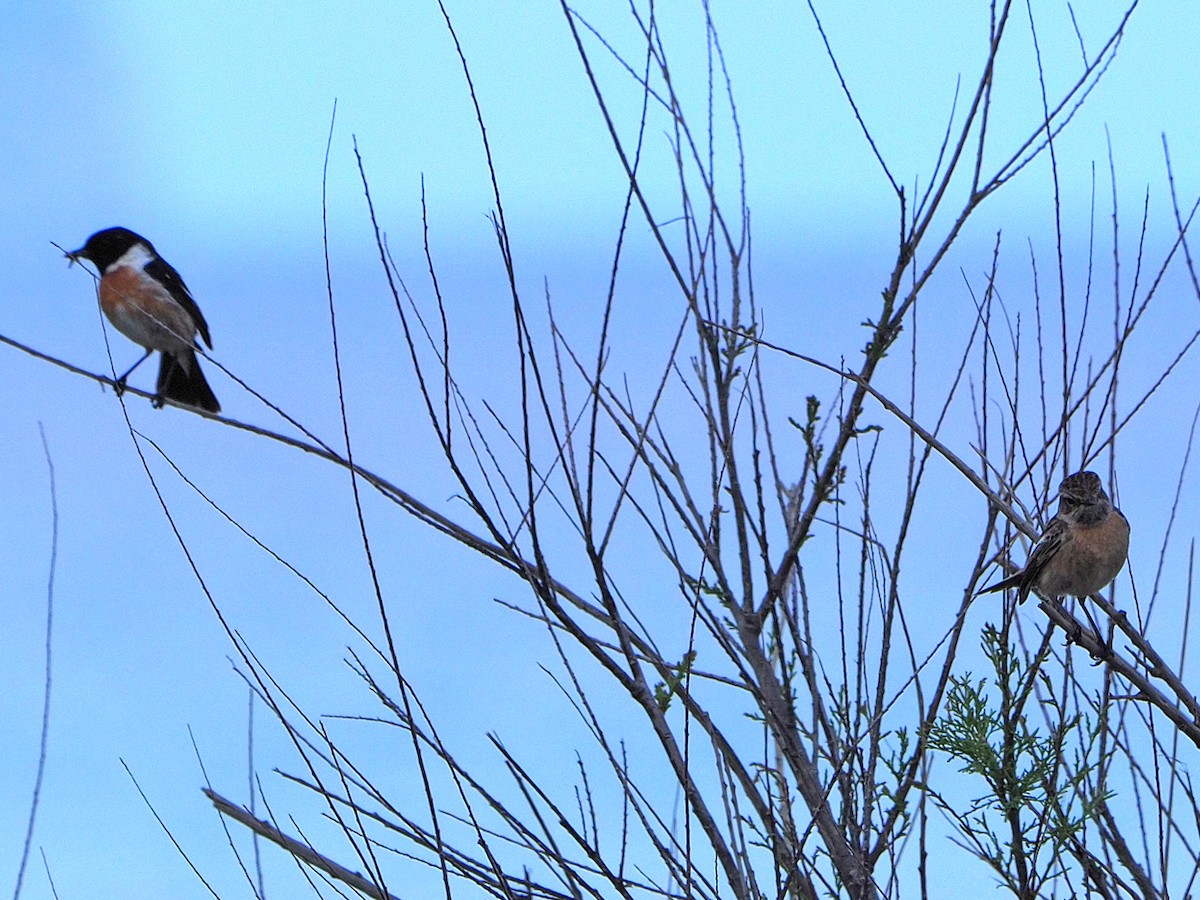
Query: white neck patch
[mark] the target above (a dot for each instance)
(136, 257)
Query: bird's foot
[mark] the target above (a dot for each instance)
(1103, 652)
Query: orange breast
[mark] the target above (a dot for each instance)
(145, 312)
(117, 290)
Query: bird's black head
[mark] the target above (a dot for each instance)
(105, 247)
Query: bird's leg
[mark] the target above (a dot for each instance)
(1075, 633)
(1104, 641)
(119, 387)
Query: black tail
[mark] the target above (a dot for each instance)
(180, 380)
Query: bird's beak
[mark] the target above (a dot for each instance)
(74, 255)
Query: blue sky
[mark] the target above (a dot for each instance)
(204, 127)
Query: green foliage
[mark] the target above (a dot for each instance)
(1037, 801)
(665, 690)
(814, 450)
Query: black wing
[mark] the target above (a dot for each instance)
(162, 271)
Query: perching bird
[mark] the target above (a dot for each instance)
(147, 301)
(1082, 549)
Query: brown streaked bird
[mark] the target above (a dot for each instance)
(147, 301)
(1082, 549)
